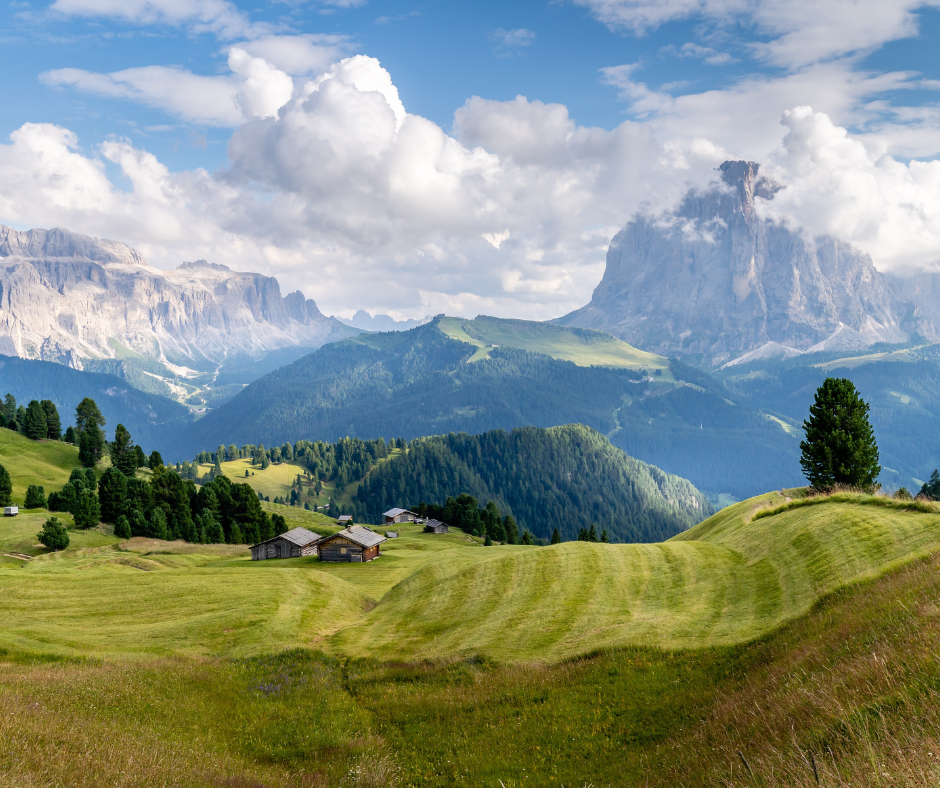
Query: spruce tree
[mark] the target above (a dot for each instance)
(89, 446)
(604, 538)
(139, 524)
(35, 424)
(141, 457)
(556, 536)
(487, 542)
(526, 538)
(155, 460)
(35, 497)
(6, 487)
(592, 534)
(9, 407)
(53, 421)
(840, 444)
(69, 436)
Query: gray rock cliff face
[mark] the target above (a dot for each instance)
(66, 297)
(716, 279)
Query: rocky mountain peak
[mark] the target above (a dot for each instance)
(716, 279)
(58, 244)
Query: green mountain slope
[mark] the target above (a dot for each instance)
(425, 382)
(563, 477)
(728, 580)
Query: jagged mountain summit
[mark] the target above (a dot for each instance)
(716, 279)
(70, 298)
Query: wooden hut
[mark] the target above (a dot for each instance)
(393, 516)
(436, 527)
(293, 544)
(346, 519)
(354, 544)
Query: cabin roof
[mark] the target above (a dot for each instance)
(435, 523)
(298, 536)
(345, 518)
(396, 511)
(359, 534)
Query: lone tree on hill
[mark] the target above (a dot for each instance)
(88, 424)
(840, 444)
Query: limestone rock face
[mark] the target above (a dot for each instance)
(66, 297)
(714, 278)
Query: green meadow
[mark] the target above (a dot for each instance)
(783, 641)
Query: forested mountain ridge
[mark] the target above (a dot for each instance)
(424, 382)
(563, 477)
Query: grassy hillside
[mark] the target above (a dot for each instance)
(851, 687)
(48, 463)
(728, 580)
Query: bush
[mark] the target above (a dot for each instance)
(35, 497)
(6, 487)
(54, 534)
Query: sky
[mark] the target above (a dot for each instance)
(414, 158)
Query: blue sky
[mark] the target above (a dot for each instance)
(134, 119)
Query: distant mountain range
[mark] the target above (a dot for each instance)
(713, 280)
(363, 320)
(81, 301)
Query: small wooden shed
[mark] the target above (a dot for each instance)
(354, 544)
(11, 511)
(399, 516)
(436, 527)
(345, 519)
(295, 543)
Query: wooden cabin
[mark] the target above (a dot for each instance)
(293, 544)
(354, 544)
(393, 516)
(11, 511)
(391, 534)
(346, 519)
(436, 527)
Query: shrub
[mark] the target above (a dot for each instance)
(122, 527)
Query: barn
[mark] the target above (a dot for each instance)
(356, 543)
(436, 527)
(399, 516)
(293, 544)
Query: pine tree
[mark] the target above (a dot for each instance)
(69, 435)
(592, 534)
(34, 425)
(556, 536)
(157, 525)
(112, 490)
(122, 527)
(53, 421)
(35, 497)
(840, 444)
(487, 542)
(139, 524)
(155, 460)
(90, 444)
(526, 538)
(6, 487)
(87, 512)
(123, 456)
(141, 457)
(54, 534)
(9, 407)
(604, 538)
(512, 530)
